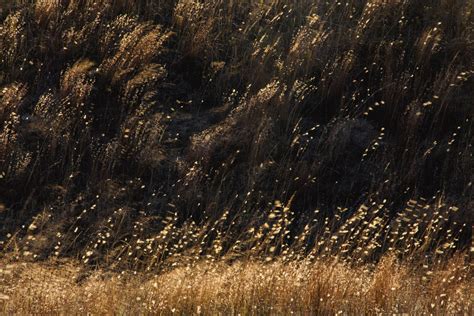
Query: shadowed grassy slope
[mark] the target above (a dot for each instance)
(133, 132)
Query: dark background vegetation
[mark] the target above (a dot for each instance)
(121, 118)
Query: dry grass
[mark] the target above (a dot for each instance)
(367, 264)
(254, 141)
(245, 288)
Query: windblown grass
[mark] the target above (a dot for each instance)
(153, 136)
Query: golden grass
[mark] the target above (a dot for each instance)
(236, 157)
(245, 288)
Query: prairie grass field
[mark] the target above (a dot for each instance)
(225, 157)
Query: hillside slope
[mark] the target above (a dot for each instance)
(145, 133)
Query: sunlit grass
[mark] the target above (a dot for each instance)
(236, 156)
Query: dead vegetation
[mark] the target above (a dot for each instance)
(150, 135)
(245, 288)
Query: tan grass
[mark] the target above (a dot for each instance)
(236, 157)
(245, 288)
